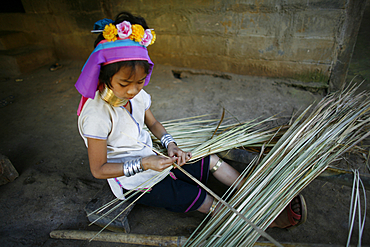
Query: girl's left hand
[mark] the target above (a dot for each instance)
(182, 157)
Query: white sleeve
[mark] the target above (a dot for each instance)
(147, 100)
(95, 124)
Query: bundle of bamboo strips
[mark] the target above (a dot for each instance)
(203, 137)
(206, 136)
(356, 206)
(300, 155)
(335, 126)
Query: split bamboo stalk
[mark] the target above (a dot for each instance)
(315, 141)
(237, 135)
(335, 126)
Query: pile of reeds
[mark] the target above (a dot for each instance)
(202, 137)
(302, 152)
(314, 140)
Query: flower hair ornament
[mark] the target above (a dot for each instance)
(125, 30)
(123, 42)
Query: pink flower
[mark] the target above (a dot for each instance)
(124, 29)
(148, 36)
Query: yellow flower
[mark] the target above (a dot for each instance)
(137, 33)
(110, 32)
(154, 37)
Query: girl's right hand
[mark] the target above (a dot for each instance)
(157, 162)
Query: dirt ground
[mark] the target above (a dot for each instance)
(39, 135)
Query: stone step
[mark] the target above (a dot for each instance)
(101, 198)
(25, 59)
(12, 39)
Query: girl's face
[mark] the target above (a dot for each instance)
(126, 83)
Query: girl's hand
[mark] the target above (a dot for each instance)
(157, 162)
(181, 156)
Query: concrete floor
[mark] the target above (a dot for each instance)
(39, 135)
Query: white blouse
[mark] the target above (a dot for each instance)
(99, 120)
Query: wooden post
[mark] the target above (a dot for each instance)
(151, 240)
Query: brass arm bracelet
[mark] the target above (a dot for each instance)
(215, 167)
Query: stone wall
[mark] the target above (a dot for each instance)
(268, 39)
(296, 39)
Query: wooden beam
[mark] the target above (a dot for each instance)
(151, 240)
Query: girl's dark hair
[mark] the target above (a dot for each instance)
(108, 71)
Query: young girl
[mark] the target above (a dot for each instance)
(112, 113)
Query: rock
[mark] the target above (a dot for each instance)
(7, 171)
